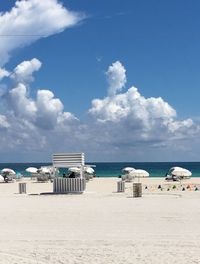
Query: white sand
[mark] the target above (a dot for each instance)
(100, 226)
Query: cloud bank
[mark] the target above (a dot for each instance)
(120, 122)
(130, 122)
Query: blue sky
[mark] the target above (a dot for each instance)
(157, 42)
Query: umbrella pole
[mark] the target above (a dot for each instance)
(180, 183)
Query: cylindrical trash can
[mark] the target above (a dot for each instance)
(137, 189)
(120, 186)
(22, 187)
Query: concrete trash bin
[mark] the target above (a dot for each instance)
(22, 187)
(120, 186)
(137, 189)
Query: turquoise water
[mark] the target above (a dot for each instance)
(155, 169)
(113, 169)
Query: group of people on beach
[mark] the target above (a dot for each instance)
(70, 175)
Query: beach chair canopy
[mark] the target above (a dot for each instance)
(67, 160)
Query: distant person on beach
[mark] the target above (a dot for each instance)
(5, 175)
(72, 175)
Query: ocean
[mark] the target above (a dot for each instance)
(113, 169)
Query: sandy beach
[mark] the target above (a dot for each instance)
(100, 226)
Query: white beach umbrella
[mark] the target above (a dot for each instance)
(74, 169)
(32, 170)
(45, 170)
(180, 172)
(89, 170)
(127, 169)
(127, 174)
(139, 173)
(8, 171)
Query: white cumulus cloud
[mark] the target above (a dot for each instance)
(50, 110)
(4, 122)
(3, 73)
(116, 77)
(133, 106)
(24, 71)
(45, 111)
(128, 119)
(19, 102)
(31, 20)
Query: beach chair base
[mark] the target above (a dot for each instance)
(69, 185)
